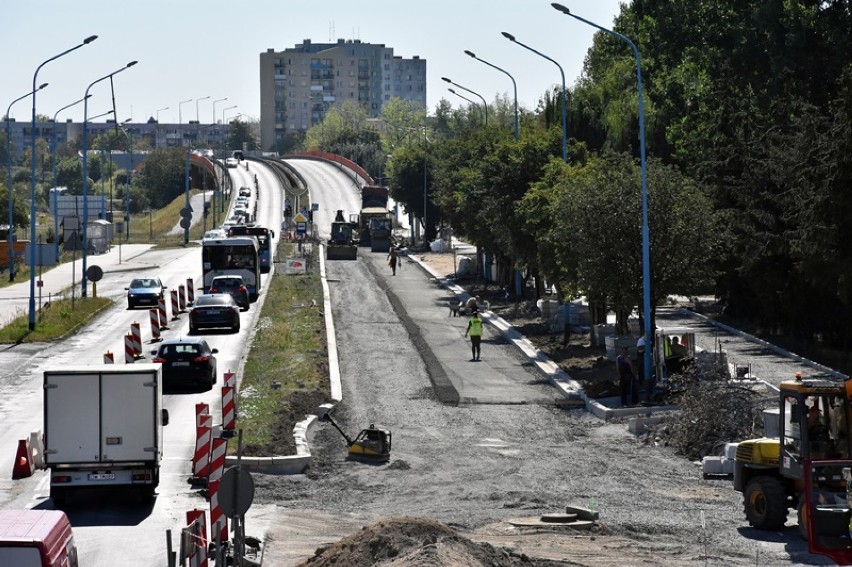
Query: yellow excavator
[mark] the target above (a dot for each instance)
(806, 467)
(372, 444)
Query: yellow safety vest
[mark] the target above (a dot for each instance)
(475, 327)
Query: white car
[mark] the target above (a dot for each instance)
(231, 162)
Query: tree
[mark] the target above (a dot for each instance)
(240, 135)
(163, 176)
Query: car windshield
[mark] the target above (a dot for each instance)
(180, 349)
(212, 300)
(143, 283)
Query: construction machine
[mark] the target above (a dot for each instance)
(371, 445)
(343, 245)
(807, 467)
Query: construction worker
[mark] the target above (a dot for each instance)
(474, 329)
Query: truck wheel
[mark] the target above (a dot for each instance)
(803, 517)
(765, 503)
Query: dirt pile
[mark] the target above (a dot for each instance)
(416, 542)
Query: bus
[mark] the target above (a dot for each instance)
(236, 255)
(264, 240)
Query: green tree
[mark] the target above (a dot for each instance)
(163, 176)
(242, 135)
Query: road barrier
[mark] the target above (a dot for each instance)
(109, 358)
(218, 521)
(194, 539)
(155, 325)
(136, 333)
(164, 315)
(182, 298)
(129, 350)
(229, 409)
(201, 409)
(175, 305)
(201, 458)
(190, 291)
(24, 465)
(217, 459)
(230, 379)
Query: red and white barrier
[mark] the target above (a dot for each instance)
(190, 291)
(136, 333)
(129, 350)
(201, 409)
(164, 315)
(182, 298)
(109, 358)
(217, 459)
(155, 325)
(230, 379)
(218, 521)
(229, 408)
(175, 305)
(201, 458)
(198, 544)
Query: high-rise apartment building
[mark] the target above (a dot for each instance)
(299, 85)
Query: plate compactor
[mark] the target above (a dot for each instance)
(372, 444)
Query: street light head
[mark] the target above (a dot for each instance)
(41, 86)
(446, 80)
(471, 53)
(132, 63)
(560, 7)
(89, 39)
(508, 36)
(452, 91)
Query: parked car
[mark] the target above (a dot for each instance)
(145, 291)
(233, 285)
(187, 360)
(214, 310)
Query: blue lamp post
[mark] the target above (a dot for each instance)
(10, 237)
(514, 84)
(485, 104)
(463, 97)
(511, 38)
(84, 239)
(86, 41)
(53, 151)
(646, 247)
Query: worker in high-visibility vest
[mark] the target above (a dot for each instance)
(474, 329)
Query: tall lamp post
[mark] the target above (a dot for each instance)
(214, 115)
(511, 38)
(53, 151)
(514, 84)
(464, 97)
(157, 135)
(197, 120)
(86, 41)
(129, 135)
(646, 246)
(180, 118)
(84, 240)
(484, 104)
(10, 237)
(225, 139)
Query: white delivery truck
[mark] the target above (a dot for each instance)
(103, 427)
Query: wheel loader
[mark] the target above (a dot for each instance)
(807, 467)
(372, 444)
(343, 244)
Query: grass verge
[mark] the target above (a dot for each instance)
(286, 372)
(55, 320)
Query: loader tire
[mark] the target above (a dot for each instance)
(765, 502)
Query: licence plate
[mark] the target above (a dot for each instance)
(102, 476)
(213, 311)
(180, 363)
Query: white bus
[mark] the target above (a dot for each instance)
(237, 255)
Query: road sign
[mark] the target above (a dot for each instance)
(185, 223)
(300, 217)
(236, 492)
(186, 212)
(94, 273)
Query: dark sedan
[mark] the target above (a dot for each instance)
(233, 285)
(187, 360)
(145, 291)
(214, 310)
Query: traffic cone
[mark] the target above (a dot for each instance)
(24, 466)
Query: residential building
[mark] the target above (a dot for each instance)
(299, 85)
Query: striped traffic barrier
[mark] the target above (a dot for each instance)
(230, 379)
(198, 544)
(201, 458)
(229, 409)
(201, 409)
(109, 358)
(155, 325)
(175, 305)
(217, 459)
(218, 521)
(182, 298)
(136, 333)
(164, 315)
(190, 291)
(129, 352)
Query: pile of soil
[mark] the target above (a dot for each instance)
(416, 542)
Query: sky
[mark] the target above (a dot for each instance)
(192, 50)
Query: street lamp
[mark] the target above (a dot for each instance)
(86, 41)
(511, 38)
(180, 118)
(224, 138)
(514, 84)
(646, 246)
(157, 133)
(10, 237)
(84, 240)
(129, 135)
(484, 104)
(55, 193)
(464, 97)
(214, 115)
(197, 122)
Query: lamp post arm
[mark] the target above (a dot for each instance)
(514, 85)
